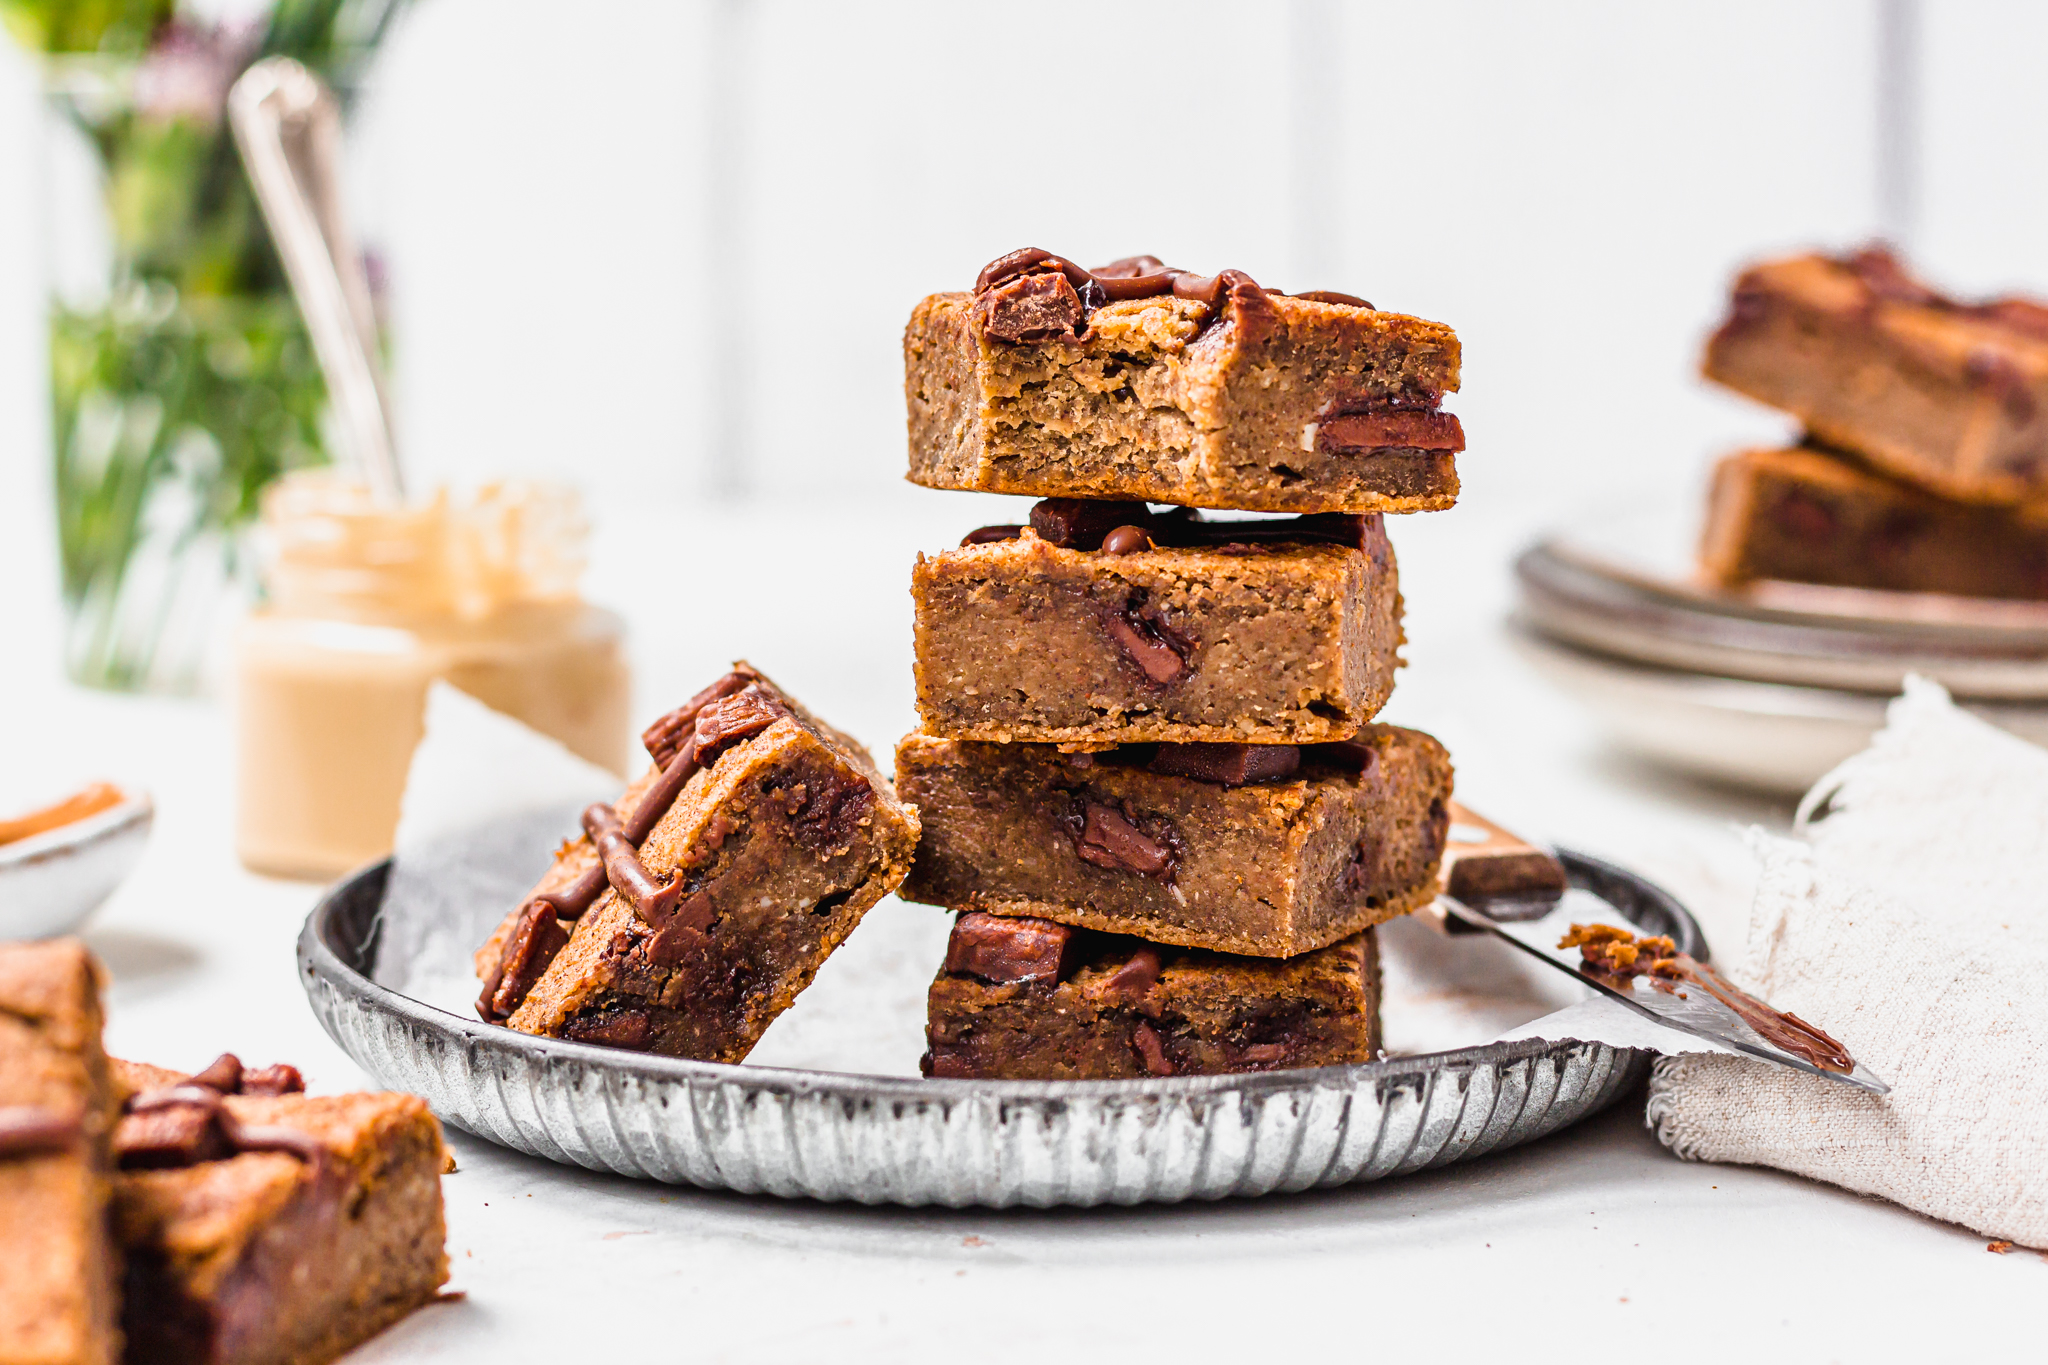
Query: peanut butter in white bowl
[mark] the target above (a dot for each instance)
(367, 603)
(59, 860)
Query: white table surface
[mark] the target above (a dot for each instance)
(1593, 1240)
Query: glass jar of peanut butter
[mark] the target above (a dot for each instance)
(366, 604)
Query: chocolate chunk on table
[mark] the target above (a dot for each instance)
(699, 906)
(310, 1223)
(1252, 640)
(1121, 1008)
(1815, 516)
(1204, 391)
(1952, 396)
(1097, 840)
(59, 1271)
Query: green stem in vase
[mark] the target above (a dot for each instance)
(189, 385)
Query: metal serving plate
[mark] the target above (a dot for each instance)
(886, 1140)
(1788, 633)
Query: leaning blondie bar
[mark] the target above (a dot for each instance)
(691, 914)
(1102, 622)
(1266, 850)
(1813, 516)
(1948, 395)
(1028, 999)
(265, 1225)
(1139, 381)
(59, 1272)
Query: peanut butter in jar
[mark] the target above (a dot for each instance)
(366, 604)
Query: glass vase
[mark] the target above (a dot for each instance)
(182, 381)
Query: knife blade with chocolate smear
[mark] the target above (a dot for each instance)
(1495, 883)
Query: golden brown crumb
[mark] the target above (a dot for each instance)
(1617, 952)
(2001, 1247)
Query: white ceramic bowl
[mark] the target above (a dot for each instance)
(51, 882)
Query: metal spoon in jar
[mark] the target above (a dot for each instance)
(287, 124)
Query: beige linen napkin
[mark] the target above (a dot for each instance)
(1911, 922)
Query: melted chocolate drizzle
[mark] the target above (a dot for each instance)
(189, 1122)
(1013, 307)
(1090, 524)
(685, 741)
(28, 1130)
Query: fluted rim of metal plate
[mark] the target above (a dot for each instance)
(889, 1139)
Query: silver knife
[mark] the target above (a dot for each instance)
(1523, 888)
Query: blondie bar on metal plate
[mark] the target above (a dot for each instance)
(686, 917)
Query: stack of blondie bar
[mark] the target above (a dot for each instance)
(1147, 772)
(1925, 462)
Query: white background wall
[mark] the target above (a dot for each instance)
(664, 248)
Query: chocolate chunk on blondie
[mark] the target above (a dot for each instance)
(1206, 391)
(689, 915)
(1009, 1005)
(1124, 841)
(263, 1224)
(1813, 516)
(1158, 628)
(1949, 395)
(59, 1271)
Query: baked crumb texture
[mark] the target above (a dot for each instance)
(1322, 407)
(1105, 841)
(1808, 515)
(1027, 999)
(1611, 951)
(287, 1256)
(1950, 396)
(768, 857)
(59, 1270)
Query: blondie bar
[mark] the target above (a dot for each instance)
(1028, 999)
(1269, 850)
(1140, 381)
(1105, 622)
(59, 1273)
(1951, 396)
(1812, 516)
(261, 1224)
(689, 915)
